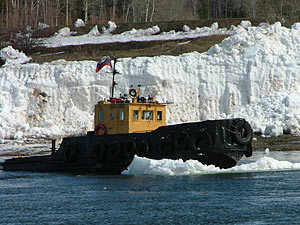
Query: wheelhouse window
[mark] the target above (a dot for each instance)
(135, 114)
(159, 115)
(100, 115)
(147, 115)
(121, 115)
(111, 116)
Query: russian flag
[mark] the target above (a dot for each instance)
(105, 61)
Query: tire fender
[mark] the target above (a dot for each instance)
(113, 152)
(249, 151)
(100, 151)
(130, 149)
(201, 140)
(243, 133)
(182, 141)
(142, 148)
(69, 154)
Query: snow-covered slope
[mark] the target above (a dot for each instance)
(254, 73)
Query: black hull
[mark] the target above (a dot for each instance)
(218, 142)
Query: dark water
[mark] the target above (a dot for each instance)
(232, 198)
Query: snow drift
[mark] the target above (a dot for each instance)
(254, 73)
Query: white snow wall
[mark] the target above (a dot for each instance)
(251, 70)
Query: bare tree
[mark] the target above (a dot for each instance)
(20, 13)
(67, 12)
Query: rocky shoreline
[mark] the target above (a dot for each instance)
(285, 142)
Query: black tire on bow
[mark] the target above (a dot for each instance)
(243, 133)
(249, 151)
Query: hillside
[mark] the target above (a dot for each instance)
(126, 50)
(123, 50)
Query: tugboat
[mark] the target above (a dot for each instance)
(135, 125)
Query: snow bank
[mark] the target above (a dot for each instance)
(79, 23)
(149, 34)
(12, 56)
(94, 31)
(296, 26)
(42, 26)
(111, 27)
(254, 73)
(142, 32)
(64, 32)
(273, 114)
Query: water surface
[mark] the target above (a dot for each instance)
(259, 197)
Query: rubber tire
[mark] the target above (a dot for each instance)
(130, 149)
(240, 127)
(69, 154)
(100, 151)
(142, 148)
(182, 141)
(201, 140)
(113, 152)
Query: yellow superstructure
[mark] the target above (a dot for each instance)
(138, 115)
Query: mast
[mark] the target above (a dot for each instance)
(113, 77)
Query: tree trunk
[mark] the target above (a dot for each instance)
(86, 11)
(147, 10)
(7, 14)
(152, 13)
(114, 9)
(127, 12)
(67, 12)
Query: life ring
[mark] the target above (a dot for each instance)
(142, 148)
(166, 145)
(182, 141)
(100, 151)
(69, 154)
(201, 140)
(243, 133)
(113, 152)
(99, 127)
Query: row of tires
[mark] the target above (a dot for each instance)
(104, 152)
(200, 141)
(183, 141)
(117, 151)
